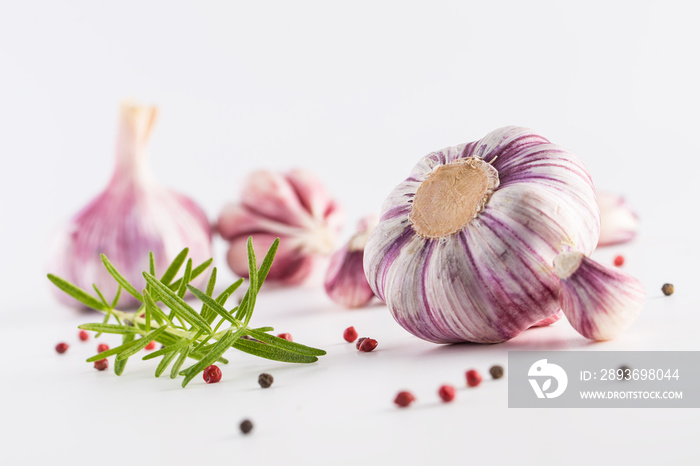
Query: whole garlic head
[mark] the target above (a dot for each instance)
(294, 206)
(464, 247)
(133, 216)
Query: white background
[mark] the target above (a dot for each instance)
(356, 92)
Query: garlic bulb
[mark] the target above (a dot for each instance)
(131, 217)
(618, 222)
(599, 302)
(295, 207)
(345, 281)
(464, 247)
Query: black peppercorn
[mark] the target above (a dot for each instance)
(667, 289)
(265, 380)
(496, 371)
(246, 426)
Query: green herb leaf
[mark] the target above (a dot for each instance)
(174, 267)
(77, 293)
(285, 344)
(196, 272)
(121, 364)
(270, 352)
(180, 361)
(217, 350)
(120, 278)
(109, 328)
(165, 362)
(111, 351)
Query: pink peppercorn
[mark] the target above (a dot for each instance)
(367, 345)
(61, 348)
(102, 347)
(447, 393)
(350, 334)
(473, 378)
(619, 261)
(212, 374)
(83, 335)
(150, 346)
(403, 399)
(285, 336)
(101, 365)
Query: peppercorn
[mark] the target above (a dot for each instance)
(447, 393)
(61, 348)
(101, 365)
(367, 345)
(150, 346)
(83, 335)
(350, 334)
(496, 371)
(246, 426)
(619, 261)
(667, 289)
(265, 380)
(359, 342)
(473, 378)
(212, 374)
(403, 399)
(102, 347)
(285, 336)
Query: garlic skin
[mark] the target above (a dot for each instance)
(345, 280)
(599, 302)
(294, 206)
(467, 256)
(618, 222)
(131, 217)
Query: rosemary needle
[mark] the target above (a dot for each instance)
(185, 332)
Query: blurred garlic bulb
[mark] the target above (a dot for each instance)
(464, 247)
(295, 207)
(599, 302)
(131, 217)
(618, 222)
(345, 280)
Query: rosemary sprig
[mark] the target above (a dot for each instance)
(185, 332)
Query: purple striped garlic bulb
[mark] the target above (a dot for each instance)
(133, 216)
(464, 246)
(345, 281)
(618, 222)
(294, 206)
(599, 302)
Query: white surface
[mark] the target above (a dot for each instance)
(358, 93)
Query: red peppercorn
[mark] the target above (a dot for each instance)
(83, 335)
(350, 334)
(403, 399)
(102, 347)
(619, 261)
(101, 365)
(367, 345)
(61, 348)
(473, 378)
(359, 342)
(447, 393)
(286, 336)
(212, 374)
(150, 346)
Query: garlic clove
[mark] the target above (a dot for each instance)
(618, 222)
(345, 280)
(599, 301)
(133, 216)
(549, 320)
(270, 195)
(294, 207)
